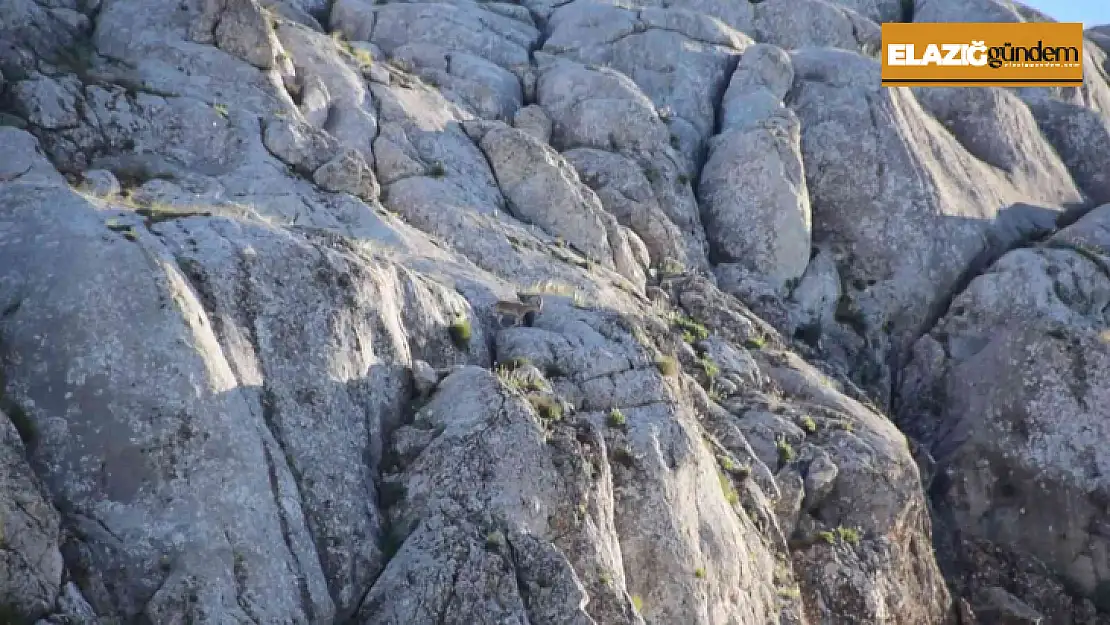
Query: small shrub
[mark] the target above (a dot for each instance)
(683, 179)
(363, 57)
(845, 425)
(786, 450)
(731, 495)
(616, 418)
(623, 456)
(495, 540)
(638, 603)
(692, 328)
(667, 366)
(671, 267)
(827, 536)
(605, 578)
(789, 593)
(809, 425)
(460, 333)
(221, 109)
(546, 407)
(849, 535)
(711, 369)
(699, 572)
(756, 342)
(726, 463)
(675, 142)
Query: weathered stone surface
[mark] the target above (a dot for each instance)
(30, 562)
(256, 371)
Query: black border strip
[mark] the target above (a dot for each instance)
(987, 81)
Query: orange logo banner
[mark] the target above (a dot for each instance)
(1024, 54)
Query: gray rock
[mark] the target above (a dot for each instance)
(99, 182)
(46, 102)
(754, 199)
(348, 173)
(424, 378)
(1035, 311)
(30, 562)
(238, 27)
(814, 23)
(532, 120)
(820, 479)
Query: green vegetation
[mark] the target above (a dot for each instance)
(849, 535)
(221, 109)
(667, 365)
(711, 369)
(495, 540)
(789, 593)
(756, 342)
(671, 267)
(518, 380)
(699, 572)
(786, 450)
(690, 327)
(616, 418)
(547, 407)
(809, 425)
(638, 603)
(460, 333)
(731, 495)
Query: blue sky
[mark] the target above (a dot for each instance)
(1090, 12)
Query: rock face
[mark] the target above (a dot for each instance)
(810, 351)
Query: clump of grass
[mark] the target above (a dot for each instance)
(363, 57)
(845, 425)
(460, 333)
(605, 578)
(667, 365)
(495, 540)
(827, 536)
(548, 408)
(699, 572)
(714, 392)
(789, 593)
(221, 109)
(519, 380)
(785, 449)
(623, 456)
(809, 425)
(711, 369)
(691, 328)
(616, 418)
(638, 603)
(756, 342)
(671, 267)
(550, 287)
(849, 535)
(730, 493)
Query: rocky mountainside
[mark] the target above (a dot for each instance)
(811, 351)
